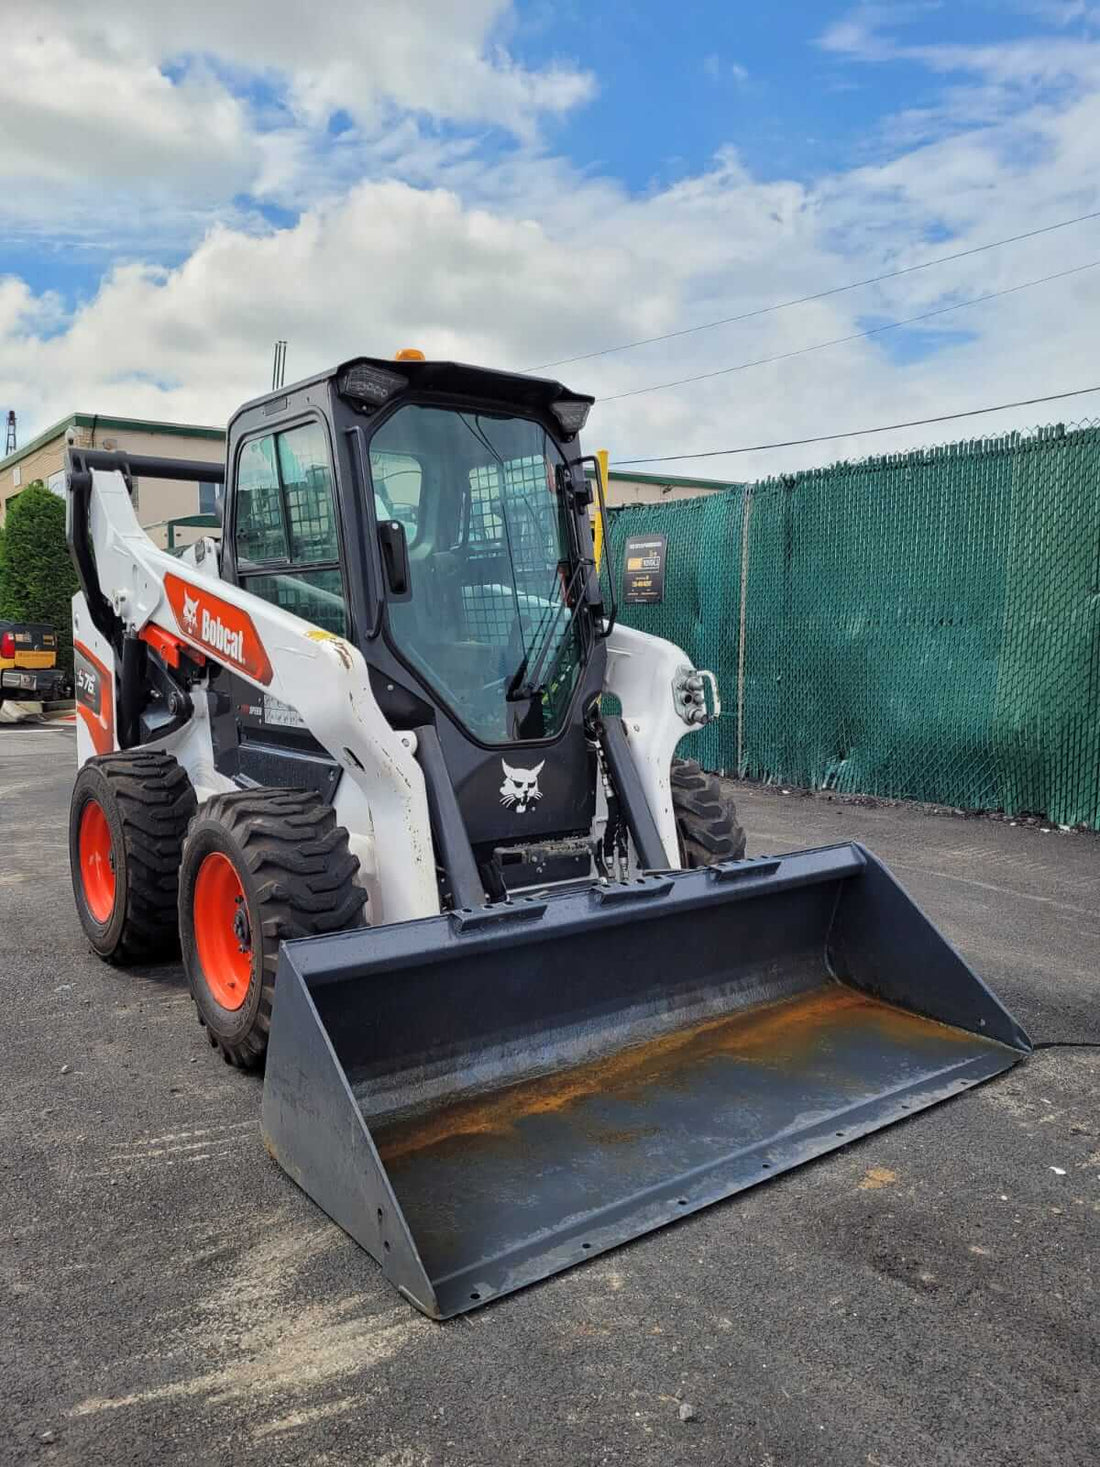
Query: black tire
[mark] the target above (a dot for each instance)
(706, 817)
(147, 802)
(296, 878)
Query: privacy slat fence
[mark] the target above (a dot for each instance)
(922, 626)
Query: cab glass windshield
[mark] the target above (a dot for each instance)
(489, 622)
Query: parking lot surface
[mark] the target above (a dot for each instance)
(925, 1296)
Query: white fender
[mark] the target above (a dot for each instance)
(642, 671)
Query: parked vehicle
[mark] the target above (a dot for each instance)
(521, 996)
(28, 663)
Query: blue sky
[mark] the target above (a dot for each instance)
(516, 182)
(678, 83)
(673, 92)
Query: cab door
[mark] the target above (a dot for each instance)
(285, 547)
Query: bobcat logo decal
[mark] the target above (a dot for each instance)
(520, 789)
(191, 612)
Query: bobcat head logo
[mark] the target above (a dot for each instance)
(520, 788)
(190, 612)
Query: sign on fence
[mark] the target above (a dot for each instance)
(644, 569)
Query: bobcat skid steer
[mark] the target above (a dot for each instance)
(520, 994)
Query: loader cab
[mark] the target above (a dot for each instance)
(437, 515)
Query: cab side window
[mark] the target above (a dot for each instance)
(261, 532)
(288, 548)
(307, 486)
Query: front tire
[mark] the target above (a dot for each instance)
(706, 817)
(259, 867)
(127, 819)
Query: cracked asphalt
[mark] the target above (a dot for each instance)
(926, 1296)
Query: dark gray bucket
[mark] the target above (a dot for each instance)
(485, 1098)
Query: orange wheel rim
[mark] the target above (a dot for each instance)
(97, 861)
(223, 931)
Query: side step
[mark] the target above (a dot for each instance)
(488, 1097)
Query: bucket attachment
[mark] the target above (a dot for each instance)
(490, 1096)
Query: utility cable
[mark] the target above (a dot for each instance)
(976, 300)
(819, 295)
(856, 432)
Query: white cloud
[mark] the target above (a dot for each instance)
(100, 146)
(164, 113)
(435, 57)
(69, 114)
(22, 313)
(417, 236)
(385, 265)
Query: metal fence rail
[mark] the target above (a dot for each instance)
(923, 625)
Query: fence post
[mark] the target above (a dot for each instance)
(746, 515)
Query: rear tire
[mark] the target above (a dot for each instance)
(258, 867)
(127, 819)
(706, 817)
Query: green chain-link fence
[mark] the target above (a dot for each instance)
(922, 626)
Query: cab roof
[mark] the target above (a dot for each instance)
(458, 379)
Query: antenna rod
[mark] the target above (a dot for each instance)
(278, 373)
(278, 366)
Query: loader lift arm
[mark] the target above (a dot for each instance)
(80, 464)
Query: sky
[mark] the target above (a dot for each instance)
(524, 183)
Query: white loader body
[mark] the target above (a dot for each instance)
(381, 800)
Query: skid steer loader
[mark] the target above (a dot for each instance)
(520, 993)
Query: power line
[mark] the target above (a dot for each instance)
(853, 432)
(854, 336)
(819, 295)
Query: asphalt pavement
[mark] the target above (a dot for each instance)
(926, 1296)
